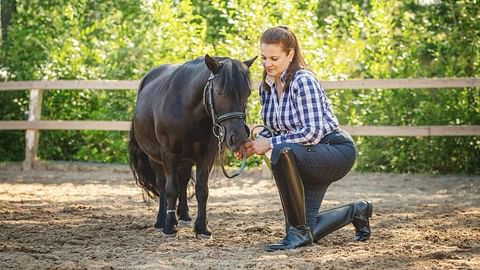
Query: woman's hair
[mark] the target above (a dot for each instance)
(287, 39)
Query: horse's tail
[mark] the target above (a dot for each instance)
(142, 171)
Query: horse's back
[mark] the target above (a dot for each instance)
(158, 73)
(149, 90)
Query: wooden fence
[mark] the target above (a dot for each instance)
(36, 88)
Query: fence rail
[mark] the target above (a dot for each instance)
(412, 131)
(338, 85)
(33, 125)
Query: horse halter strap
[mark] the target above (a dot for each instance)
(218, 129)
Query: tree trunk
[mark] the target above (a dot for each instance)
(8, 7)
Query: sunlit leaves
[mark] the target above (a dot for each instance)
(355, 39)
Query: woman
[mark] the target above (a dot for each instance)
(309, 151)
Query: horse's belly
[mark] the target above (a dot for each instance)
(186, 149)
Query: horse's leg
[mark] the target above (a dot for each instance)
(171, 192)
(162, 210)
(201, 193)
(184, 176)
(162, 202)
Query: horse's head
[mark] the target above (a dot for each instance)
(226, 95)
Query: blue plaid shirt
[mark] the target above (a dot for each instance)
(302, 115)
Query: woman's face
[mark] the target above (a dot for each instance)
(274, 59)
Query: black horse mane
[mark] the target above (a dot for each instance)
(233, 77)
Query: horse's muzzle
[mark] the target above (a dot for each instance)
(236, 137)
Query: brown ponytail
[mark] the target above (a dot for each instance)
(287, 39)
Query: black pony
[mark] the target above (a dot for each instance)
(184, 113)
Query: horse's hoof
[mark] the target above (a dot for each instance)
(169, 235)
(184, 223)
(203, 236)
(169, 232)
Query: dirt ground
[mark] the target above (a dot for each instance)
(94, 217)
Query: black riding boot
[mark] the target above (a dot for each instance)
(363, 211)
(356, 213)
(290, 188)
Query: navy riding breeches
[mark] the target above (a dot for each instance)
(325, 162)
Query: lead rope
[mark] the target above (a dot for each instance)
(264, 157)
(244, 154)
(242, 166)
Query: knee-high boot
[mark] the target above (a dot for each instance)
(357, 213)
(291, 192)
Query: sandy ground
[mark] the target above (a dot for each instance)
(70, 218)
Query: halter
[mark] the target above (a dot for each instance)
(218, 129)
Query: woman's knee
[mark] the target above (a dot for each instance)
(278, 149)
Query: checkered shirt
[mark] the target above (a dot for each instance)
(302, 115)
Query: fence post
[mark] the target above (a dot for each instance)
(31, 135)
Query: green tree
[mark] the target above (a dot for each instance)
(355, 39)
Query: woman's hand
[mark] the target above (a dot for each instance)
(248, 151)
(259, 146)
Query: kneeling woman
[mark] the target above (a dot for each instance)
(309, 150)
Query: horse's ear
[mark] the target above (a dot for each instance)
(249, 62)
(213, 65)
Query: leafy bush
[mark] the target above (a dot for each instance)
(86, 39)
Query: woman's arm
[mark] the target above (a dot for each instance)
(309, 98)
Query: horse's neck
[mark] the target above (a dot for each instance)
(194, 99)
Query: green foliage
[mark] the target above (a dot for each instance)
(13, 106)
(355, 39)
